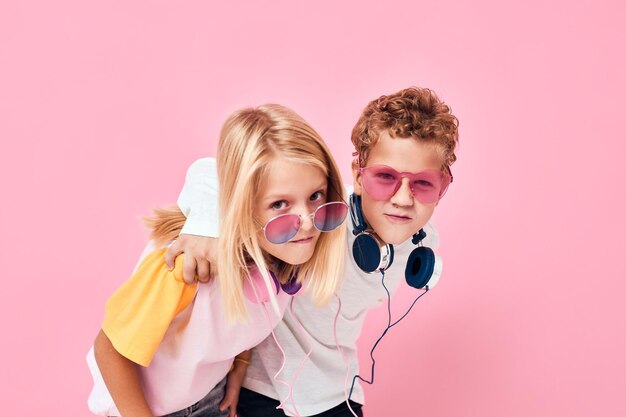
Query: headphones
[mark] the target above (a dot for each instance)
(371, 254)
(259, 293)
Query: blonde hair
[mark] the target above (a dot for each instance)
(165, 225)
(413, 112)
(249, 141)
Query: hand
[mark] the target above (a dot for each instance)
(200, 260)
(233, 386)
(231, 398)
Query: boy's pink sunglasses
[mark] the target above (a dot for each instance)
(381, 182)
(327, 217)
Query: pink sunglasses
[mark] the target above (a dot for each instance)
(381, 182)
(327, 217)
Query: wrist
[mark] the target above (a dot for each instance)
(239, 365)
(242, 361)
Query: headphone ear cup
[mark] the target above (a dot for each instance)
(371, 254)
(254, 287)
(436, 273)
(420, 267)
(366, 252)
(292, 286)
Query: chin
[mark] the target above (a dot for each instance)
(394, 241)
(296, 262)
(297, 258)
(397, 237)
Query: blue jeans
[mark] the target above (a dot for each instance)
(206, 407)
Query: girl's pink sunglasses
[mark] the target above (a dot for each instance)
(327, 217)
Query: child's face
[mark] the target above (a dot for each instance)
(400, 216)
(291, 188)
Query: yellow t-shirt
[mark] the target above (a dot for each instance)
(139, 313)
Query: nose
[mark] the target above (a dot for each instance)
(404, 196)
(306, 222)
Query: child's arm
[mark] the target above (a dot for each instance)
(198, 200)
(137, 318)
(234, 381)
(121, 378)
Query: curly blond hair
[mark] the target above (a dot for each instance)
(413, 112)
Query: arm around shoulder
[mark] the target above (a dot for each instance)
(199, 199)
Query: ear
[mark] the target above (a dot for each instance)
(356, 177)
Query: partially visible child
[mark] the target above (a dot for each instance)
(405, 144)
(165, 347)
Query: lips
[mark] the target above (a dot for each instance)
(402, 216)
(303, 240)
(398, 217)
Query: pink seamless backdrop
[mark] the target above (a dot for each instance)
(103, 105)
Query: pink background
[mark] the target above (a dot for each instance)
(103, 105)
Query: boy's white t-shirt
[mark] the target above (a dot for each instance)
(320, 383)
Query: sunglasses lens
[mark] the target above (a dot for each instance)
(330, 216)
(427, 186)
(282, 228)
(380, 182)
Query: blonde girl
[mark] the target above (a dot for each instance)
(165, 347)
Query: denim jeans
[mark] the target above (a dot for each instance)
(206, 407)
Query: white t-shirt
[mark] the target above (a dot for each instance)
(321, 381)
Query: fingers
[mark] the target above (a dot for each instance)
(204, 270)
(196, 265)
(231, 405)
(189, 270)
(226, 403)
(223, 405)
(171, 254)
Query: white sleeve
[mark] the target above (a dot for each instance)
(198, 199)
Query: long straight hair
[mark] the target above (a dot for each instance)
(250, 140)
